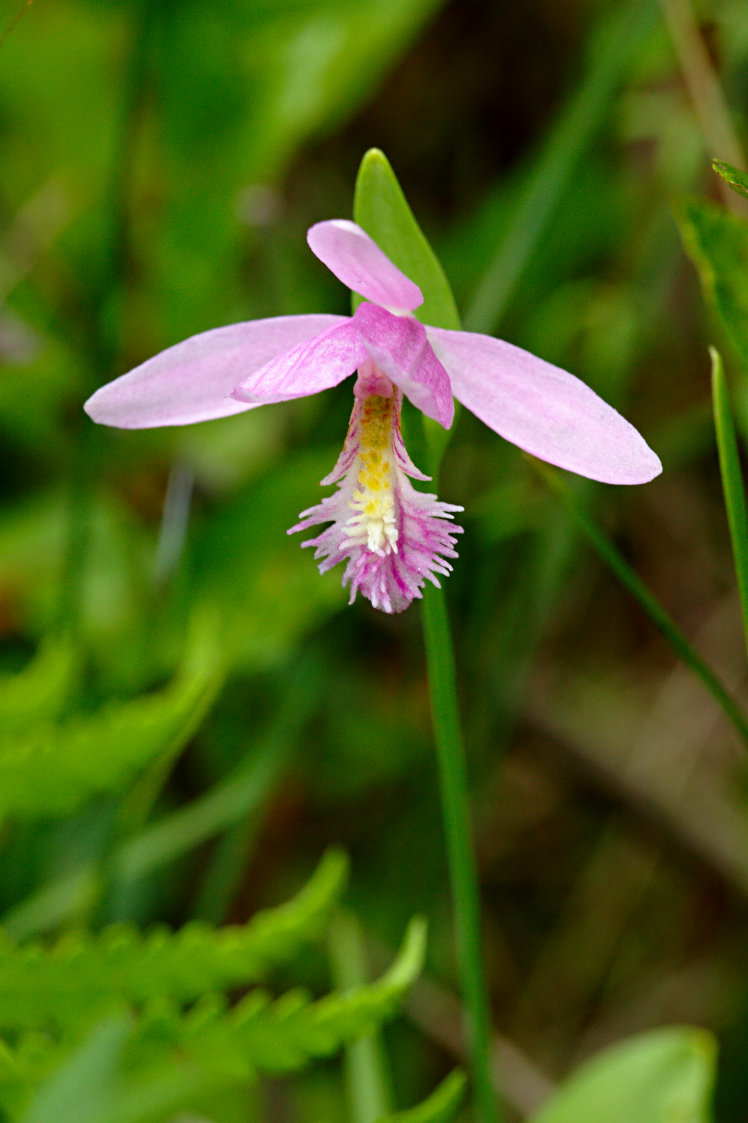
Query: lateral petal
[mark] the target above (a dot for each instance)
(192, 380)
(543, 409)
(358, 262)
(313, 365)
(399, 347)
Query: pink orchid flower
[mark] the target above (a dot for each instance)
(392, 537)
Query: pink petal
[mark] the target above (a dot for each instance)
(399, 347)
(316, 364)
(358, 262)
(192, 380)
(543, 410)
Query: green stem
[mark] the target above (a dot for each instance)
(649, 603)
(458, 836)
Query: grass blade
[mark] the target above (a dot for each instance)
(732, 479)
(657, 614)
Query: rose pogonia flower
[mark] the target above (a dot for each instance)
(392, 537)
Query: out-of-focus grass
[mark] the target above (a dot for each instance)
(160, 164)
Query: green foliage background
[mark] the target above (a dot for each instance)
(189, 714)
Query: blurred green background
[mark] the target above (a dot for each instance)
(160, 163)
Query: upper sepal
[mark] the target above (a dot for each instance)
(359, 263)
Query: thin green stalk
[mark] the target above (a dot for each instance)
(732, 480)
(458, 835)
(456, 818)
(649, 603)
(365, 1074)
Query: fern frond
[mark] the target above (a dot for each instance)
(173, 1060)
(51, 768)
(84, 974)
(265, 1035)
(441, 1105)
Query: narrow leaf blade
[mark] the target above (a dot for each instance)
(441, 1105)
(656, 612)
(381, 209)
(85, 1087)
(732, 479)
(717, 243)
(41, 690)
(732, 176)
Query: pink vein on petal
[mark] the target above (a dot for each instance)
(311, 366)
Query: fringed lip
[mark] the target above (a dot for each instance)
(392, 538)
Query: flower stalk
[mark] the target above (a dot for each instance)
(463, 873)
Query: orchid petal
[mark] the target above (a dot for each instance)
(543, 409)
(399, 347)
(359, 263)
(192, 381)
(311, 366)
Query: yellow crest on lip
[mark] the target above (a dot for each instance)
(373, 521)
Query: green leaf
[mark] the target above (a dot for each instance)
(84, 975)
(41, 690)
(380, 207)
(441, 1105)
(717, 242)
(732, 479)
(657, 1077)
(733, 176)
(84, 1087)
(52, 768)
